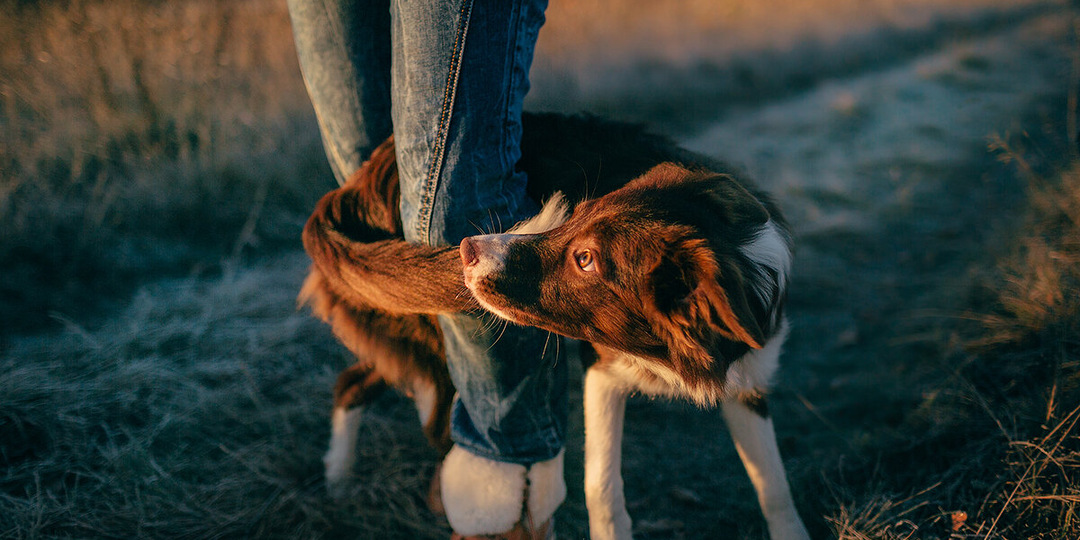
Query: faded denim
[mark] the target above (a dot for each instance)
(450, 78)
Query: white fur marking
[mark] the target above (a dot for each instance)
(492, 257)
(424, 398)
(770, 249)
(755, 370)
(630, 368)
(490, 260)
(341, 456)
(481, 496)
(755, 440)
(605, 410)
(555, 212)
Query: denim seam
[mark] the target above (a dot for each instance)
(431, 183)
(512, 83)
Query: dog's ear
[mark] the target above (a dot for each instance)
(724, 196)
(735, 204)
(696, 297)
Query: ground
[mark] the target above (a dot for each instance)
(157, 380)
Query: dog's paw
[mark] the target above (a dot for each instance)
(338, 483)
(338, 490)
(341, 456)
(338, 474)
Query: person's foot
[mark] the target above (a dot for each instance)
(486, 499)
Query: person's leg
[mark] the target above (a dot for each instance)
(460, 74)
(344, 52)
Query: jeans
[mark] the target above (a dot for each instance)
(448, 78)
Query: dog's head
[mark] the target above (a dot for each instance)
(657, 269)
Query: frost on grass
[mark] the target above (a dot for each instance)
(202, 408)
(200, 411)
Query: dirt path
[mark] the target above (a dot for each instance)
(202, 407)
(888, 180)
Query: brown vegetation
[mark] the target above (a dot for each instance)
(141, 140)
(157, 163)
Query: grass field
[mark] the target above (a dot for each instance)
(158, 160)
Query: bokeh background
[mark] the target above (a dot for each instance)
(158, 160)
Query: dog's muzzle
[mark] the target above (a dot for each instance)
(485, 255)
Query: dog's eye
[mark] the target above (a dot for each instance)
(585, 261)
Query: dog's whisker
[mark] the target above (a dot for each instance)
(599, 170)
(501, 332)
(547, 338)
(584, 179)
(558, 342)
(490, 229)
(481, 328)
(486, 325)
(462, 293)
(476, 226)
(488, 322)
(503, 324)
(543, 353)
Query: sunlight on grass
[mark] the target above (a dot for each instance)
(158, 160)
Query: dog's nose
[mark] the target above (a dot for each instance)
(469, 253)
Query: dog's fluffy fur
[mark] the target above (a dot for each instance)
(674, 270)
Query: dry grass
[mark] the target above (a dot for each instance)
(675, 63)
(1038, 328)
(198, 412)
(999, 435)
(152, 138)
(166, 150)
(1042, 276)
(144, 139)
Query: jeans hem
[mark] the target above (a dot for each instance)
(527, 460)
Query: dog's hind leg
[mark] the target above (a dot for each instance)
(433, 396)
(605, 410)
(356, 387)
(752, 429)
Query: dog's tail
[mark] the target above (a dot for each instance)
(354, 239)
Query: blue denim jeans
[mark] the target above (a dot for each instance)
(448, 78)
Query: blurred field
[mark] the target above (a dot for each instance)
(143, 139)
(158, 159)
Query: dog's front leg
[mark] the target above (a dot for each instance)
(755, 440)
(605, 409)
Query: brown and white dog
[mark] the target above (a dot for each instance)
(671, 268)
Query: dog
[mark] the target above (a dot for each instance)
(671, 270)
